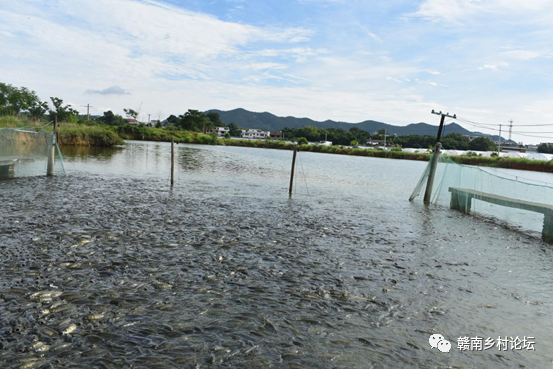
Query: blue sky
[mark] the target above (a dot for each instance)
(488, 61)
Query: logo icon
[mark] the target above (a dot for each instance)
(438, 341)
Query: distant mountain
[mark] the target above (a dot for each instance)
(270, 122)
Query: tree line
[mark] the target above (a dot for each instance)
(356, 136)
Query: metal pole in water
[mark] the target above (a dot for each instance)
(292, 173)
(172, 161)
(52, 152)
(435, 157)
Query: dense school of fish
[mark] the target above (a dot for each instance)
(116, 273)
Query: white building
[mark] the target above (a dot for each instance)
(255, 134)
(221, 131)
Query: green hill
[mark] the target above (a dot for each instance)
(270, 122)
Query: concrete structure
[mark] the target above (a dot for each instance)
(221, 131)
(7, 169)
(510, 148)
(133, 122)
(275, 134)
(461, 199)
(255, 134)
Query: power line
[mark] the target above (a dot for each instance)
(494, 124)
(520, 133)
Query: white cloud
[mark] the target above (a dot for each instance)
(369, 33)
(447, 10)
(113, 90)
(259, 66)
(174, 59)
(521, 54)
(431, 83)
(393, 79)
(460, 11)
(493, 66)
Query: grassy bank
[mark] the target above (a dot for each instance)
(508, 163)
(71, 134)
(83, 135)
(495, 162)
(162, 135)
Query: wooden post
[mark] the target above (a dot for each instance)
(172, 161)
(52, 152)
(292, 173)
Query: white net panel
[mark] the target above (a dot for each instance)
(477, 190)
(25, 151)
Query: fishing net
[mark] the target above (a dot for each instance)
(25, 152)
(526, 203)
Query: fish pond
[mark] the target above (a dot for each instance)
(107, 267)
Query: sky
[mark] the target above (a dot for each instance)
(487, 61)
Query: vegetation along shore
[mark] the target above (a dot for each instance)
(75, 134)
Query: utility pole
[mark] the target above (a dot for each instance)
(88, 106)
(148, 118)
(384, 138)
(510, 129)
(499, 146)
(436, 156)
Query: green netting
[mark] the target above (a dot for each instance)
(474, 189)
(25, 152)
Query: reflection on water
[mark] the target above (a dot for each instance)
(107, 267)
(84, 153)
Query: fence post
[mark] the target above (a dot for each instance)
(172, 161)
(292, 173)
(52, 151)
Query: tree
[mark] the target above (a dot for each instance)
(482, 144)
(13, 100)
(227, 135)
(354, 143)
(38, 111)
(359, 135)
(63, 113)
(130, 113)
(545, 148)
(112, 119)
(234, 130)
(302, 141)
(215, 119)
(195, 120)
(455, 141)
(172, 119)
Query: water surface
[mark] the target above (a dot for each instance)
(108, 266)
